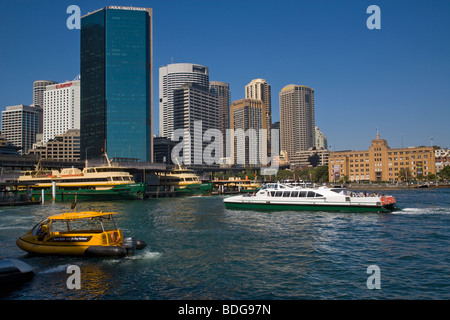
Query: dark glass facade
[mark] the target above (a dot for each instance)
(116, 81)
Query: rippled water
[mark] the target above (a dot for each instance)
(197, 249)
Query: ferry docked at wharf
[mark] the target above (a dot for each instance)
(303, 197)
(184, 182)
(105, 182)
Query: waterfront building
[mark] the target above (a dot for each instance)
(259, 89)
(171, 77)
(61, 109)
(381, 163)
(20, 125)
(312, 157)
(116, 90)
(39, 88)
(297, 120)
(247, 116)
(195, 108)
(162, 150)
(62, 147)
(442, 157)
(320, 139)
(223, 93)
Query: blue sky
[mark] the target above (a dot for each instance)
(396, 79)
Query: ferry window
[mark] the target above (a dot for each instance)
(272, 193)
(117, 178)
(286, 194)
(278, 193)
(294, 194)
(311, 194)
(302, 193)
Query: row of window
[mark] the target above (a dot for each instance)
(294, 194)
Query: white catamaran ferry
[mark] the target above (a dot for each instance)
(279, 196)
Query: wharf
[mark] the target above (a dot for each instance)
(388, 186)
(18, 203)
(160, 194)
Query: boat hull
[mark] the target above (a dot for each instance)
(13, 271)
(308, 207)
(200, 189)
(75, 249)
(134, 191)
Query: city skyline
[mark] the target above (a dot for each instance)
(393, 80)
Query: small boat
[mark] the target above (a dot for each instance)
(279, 196)
(13, 271)
(68, 234)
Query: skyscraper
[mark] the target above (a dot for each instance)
(296, 118)
(260, 89)
(320, 138)
(171, 77)
(247, 118)
(20, 124)
(195, 108)
(223, 93)
(61, 109)
(116, 91)
(39, 87)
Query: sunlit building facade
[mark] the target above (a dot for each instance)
(116, 88)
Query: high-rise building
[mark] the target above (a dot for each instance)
(39, 87)
(20, 124)
(171, 77)
(196, 111)
(296, 118)
(223, 93)
(321, 140)
(247, 118)
(61, 109)
(260, 89)
(116, 90)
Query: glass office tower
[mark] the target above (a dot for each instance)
(116, 91)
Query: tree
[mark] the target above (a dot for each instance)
(445, 173)
(404, 174)
(284, 174)
(321, 174)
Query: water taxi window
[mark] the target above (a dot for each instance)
(302, 193)
(278, 193)
(311, 194)
(272, 193)
(287, 194)
(294, 194)
(318, 195)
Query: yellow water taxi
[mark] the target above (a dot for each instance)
(68, 234)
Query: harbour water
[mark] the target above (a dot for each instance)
(198, 250)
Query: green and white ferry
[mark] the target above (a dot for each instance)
(184, 182)
(105, 182)
(279, 196)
